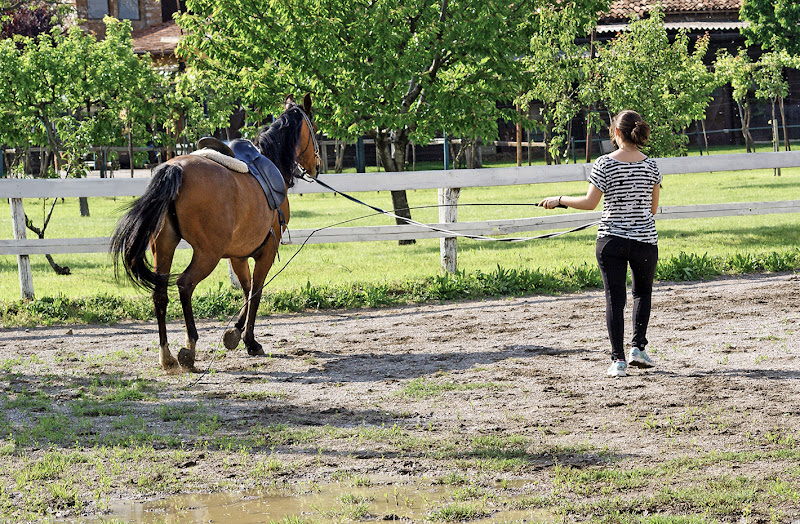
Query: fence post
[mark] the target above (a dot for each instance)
(2, 161)
(361, 165)
(23, 261)
(448, 214)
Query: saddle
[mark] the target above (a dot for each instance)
(262, 168)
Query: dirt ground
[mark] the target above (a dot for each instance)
(727, 353)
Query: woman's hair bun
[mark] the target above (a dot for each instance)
(632, 126)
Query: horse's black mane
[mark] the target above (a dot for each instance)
(278, 141)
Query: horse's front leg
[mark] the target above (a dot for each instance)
(242, 271)
(199, 268)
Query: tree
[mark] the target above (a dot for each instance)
(771, 84)
(738, 71)
(197, 103)
(665, 82)
(773, 24)
(556, 71)
(72, 90)
(65, 91)
(397, 71)
(28, 18)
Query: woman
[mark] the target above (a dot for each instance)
(629, 181)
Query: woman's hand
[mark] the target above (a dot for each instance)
(551, 202)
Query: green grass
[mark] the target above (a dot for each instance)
(374, 270)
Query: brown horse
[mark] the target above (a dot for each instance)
(221, 214)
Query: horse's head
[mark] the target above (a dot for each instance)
(308, 157)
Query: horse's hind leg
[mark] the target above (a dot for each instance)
(163, 248)
(260, 270)
(200, 267)
(242, 270)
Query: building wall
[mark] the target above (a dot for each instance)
(141, 13)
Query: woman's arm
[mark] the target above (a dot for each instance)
(656, 193)
(587, 203)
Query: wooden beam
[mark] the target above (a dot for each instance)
(512, 226)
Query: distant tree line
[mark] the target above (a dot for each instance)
(398, 73)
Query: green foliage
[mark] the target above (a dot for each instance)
(686, 267)
(69, 90)
(399, 71)
(766, 78)
(668, 84)
(199, 103)
(66, 91)
(774, 24)
(735, 70)
(768, 74)
(557, 73)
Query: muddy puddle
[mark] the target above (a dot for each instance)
(341, 502)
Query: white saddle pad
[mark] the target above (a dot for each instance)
(234, 164)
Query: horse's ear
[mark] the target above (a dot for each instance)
(307, 103)
(289, 102)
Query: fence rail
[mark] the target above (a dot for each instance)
(448, 180)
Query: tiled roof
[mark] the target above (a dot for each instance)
(622, 9)
(157, 40)
(672, 26)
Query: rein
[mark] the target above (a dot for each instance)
(378, 211)
(305, 176)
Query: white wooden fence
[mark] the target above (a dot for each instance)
(447, 182)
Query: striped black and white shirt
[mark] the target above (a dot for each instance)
(627, 198)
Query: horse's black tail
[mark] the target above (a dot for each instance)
(143, 219)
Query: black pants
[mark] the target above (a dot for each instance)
(613, 256)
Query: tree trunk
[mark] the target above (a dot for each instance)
(26, 162)
(786, 145)
(775, 138)
(705, 136)
(59, 270)
(45, 159)
(588, 114)
(546, 139)
(391, 148)
(519, 137)
(339, 151)
(130, 152)
(744, 116)
(83, 204)
(474, 161)
(460, 158)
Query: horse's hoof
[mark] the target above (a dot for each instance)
(231, 338)
(169, 364)
(171, 368)
(186, 358)
(255, 350)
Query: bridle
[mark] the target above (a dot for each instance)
(300, 171)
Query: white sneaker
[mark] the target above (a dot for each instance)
(617, 369)
(640, 359)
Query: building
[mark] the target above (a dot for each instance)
(720, 20)
(154, 30)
